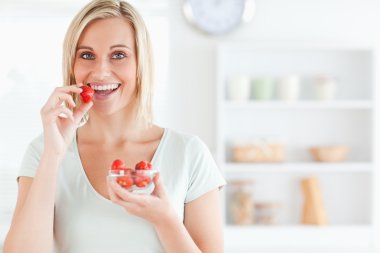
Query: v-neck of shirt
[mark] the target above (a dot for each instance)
(83, 173)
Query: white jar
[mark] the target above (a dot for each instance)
(288, 88)
(325, 87)
(239, 88)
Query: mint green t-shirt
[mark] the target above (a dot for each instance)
(85, 221)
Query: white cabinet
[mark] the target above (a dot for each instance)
(348, 119)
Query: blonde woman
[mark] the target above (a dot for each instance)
(65, 203)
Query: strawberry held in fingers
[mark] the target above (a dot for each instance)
(86, 94)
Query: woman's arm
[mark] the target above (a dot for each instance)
(203, 220)
(202, 231)
(32, 224)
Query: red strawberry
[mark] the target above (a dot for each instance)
(141, 181)
(127, 171)
(125, 181)
(118, 165)
(86, 94)
(143, 165)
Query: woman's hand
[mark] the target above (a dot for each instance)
(59, 122)
(155, 208)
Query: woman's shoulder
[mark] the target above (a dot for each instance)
(184, 140)
(37, 143)
(180, 136)
(32, 157)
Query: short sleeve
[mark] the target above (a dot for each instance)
(204, 175)
(31, 158)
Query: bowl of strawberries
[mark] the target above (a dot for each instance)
(137, 180)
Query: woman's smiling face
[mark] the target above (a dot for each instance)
(106, 60)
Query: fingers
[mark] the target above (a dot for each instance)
(149, 207)
(74, 88)
(64, 97)
(111, 192)
(156, 179)
(69, 89)
(159, 188)
(139, 199)
(61, 111)
(122, 197)
(55, 106)
(81, 110)
(61, 95)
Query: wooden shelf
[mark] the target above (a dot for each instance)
(307, 167)
(306, 104)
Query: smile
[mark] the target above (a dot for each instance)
(104, 90)
(98, 87)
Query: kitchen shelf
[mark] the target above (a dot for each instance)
(353, 104)
(350, 119)
(302, 167)
(251, 237)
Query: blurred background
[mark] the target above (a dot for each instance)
(287, 102)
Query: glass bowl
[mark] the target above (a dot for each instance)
(136, 181)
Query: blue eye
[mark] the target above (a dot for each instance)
(118, 56)
(87, 56)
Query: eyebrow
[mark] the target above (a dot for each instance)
(111, 47)
(120, 45)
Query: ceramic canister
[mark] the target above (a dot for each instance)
(288, 88)
(238, 88)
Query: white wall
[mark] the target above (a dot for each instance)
(192, 60)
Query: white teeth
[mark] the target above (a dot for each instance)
(104, 87)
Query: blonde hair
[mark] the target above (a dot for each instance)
(102, 9)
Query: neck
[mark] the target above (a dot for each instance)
(121, 126)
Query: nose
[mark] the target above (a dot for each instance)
(101, 69)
